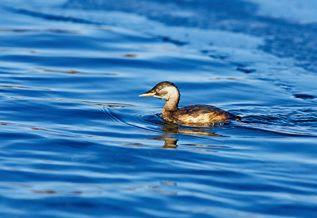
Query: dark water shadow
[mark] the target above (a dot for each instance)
(282, 124)
(46, 16)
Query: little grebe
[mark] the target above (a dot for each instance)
(194, 115)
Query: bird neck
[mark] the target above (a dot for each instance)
(171, 103)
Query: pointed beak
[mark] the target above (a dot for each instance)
(147, 94)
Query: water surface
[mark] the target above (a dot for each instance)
(78, 142)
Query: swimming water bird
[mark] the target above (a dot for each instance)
(194, 115)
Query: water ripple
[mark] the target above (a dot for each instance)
(76, 141)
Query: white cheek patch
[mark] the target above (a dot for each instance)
(170, 92)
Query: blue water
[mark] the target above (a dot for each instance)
(76, 141)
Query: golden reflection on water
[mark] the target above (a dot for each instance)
(170, 130)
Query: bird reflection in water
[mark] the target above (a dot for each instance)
(170, 130)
